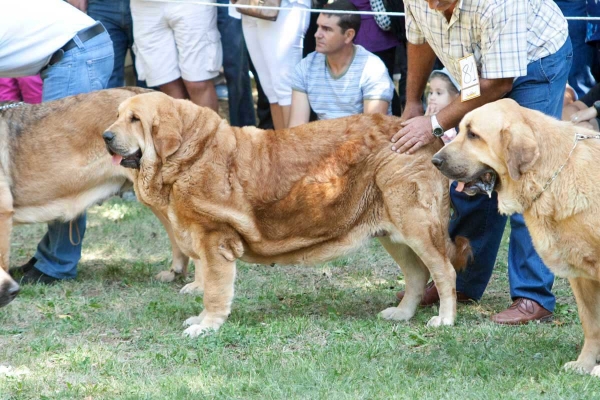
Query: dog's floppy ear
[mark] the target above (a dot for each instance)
(520, 148)
(166, 133)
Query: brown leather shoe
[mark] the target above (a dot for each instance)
(522, 311)
(432, 296)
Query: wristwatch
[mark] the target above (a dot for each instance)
(437, 131)
(596, 105)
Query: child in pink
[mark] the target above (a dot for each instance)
(27, 89)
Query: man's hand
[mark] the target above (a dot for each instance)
(416, 133)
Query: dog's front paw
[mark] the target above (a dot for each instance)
(193, 320)
(581, 368)
(165, 276)
(192, 288)
(199, 330)
(396, 314)
(440, 321)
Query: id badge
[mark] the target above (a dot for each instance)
(468, 78)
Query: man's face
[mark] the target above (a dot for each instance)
(329, 35)
(441, 5)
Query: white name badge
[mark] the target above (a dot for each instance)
(469, 78)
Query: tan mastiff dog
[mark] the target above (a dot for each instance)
(548, 171)
(298, 196)
(54, 165)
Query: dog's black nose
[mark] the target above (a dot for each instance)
(108, 136)
(13, 291)
(437, 161)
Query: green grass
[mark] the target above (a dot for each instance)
(294, 333)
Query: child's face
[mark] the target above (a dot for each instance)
(439, 95)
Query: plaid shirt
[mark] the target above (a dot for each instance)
(503, 35)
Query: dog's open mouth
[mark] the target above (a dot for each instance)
(129, 161)
(484, 183)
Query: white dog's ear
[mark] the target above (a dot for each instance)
(520, 149)
(166, 135)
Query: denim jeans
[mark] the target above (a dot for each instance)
(115, 15)
(83, 69)
(477, 217)
(580, 75)
(236, 68)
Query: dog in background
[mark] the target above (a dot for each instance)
(54, 165)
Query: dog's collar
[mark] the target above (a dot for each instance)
(578, 137)
(11, 105)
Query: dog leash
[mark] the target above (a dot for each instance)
(11, 105)
(578, 137)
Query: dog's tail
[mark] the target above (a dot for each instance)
(459, 252)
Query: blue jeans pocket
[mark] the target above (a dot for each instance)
(551, 67)
(98, 71)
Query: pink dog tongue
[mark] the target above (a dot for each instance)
(460, 186)
(116, 159)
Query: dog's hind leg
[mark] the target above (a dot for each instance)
(416, 275)
(587, 294)
(180, 261)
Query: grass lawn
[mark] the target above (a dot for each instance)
(294, 333)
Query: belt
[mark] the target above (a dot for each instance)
(83, 35)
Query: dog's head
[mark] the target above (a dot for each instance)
(494, 148)
(8, 288)
(148, 125)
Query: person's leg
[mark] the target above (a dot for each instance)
(200, 55)
(285, 38)
(541, 89)
(580, 74)
(31, 88)
(83, 69)
(9, 90)
(236, 68)
(176, 89)
(263, 108)
(477, 218)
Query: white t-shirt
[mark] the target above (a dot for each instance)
(32, 30)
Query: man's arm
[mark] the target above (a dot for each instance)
(300, 109)
(416, 132)
(420, 64)
(375, 106)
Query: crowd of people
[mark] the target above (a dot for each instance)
(320, 66)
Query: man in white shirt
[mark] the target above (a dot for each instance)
(74, 55)
(339, 78)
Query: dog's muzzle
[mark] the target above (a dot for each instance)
(9, 289)
(119, 157)
(484, 181)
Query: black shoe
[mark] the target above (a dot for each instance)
(18, 272)
(34, 276)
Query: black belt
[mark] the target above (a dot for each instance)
(83, 35)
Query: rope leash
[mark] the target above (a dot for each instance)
(578, 138)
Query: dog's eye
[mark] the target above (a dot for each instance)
(472, 135)
(134, 118)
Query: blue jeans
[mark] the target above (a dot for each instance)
(236, 67)
(83, 69)
(115, 15)
(477, 217)
(580, 75)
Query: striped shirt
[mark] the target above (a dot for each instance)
(503, 35)
(332, 96)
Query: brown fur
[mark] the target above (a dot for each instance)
(303, 196)
(526, 148)
(54, 164)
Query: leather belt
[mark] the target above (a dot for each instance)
(84, 35)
